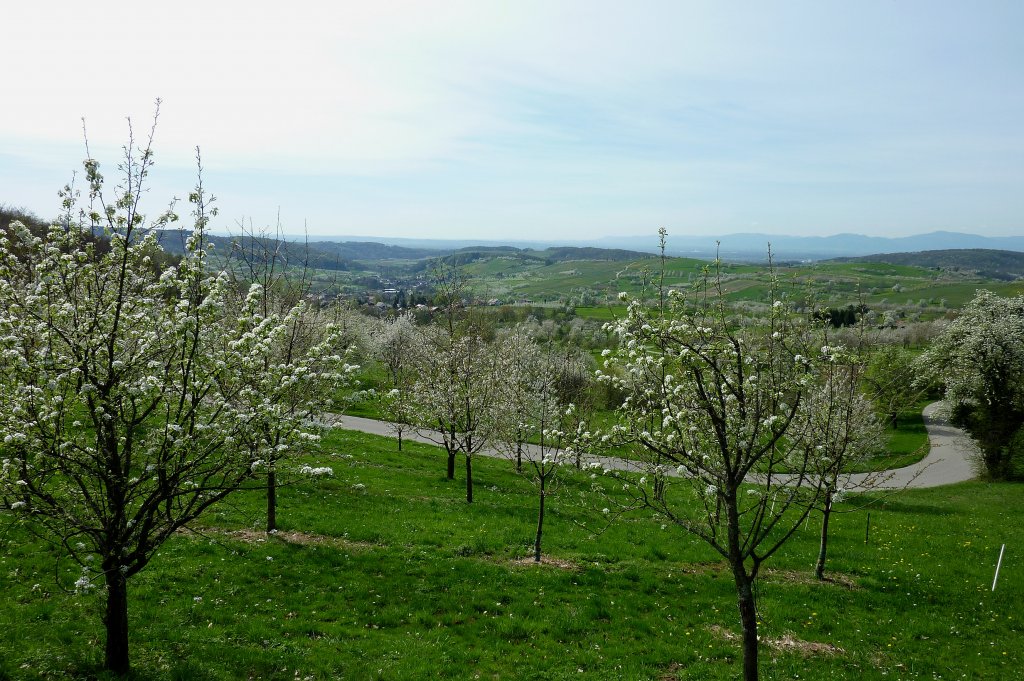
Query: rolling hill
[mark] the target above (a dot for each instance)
(988, 263)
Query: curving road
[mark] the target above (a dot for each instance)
(947, 462)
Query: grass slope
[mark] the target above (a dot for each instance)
(383, 572)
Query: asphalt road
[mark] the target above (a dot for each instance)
(947, 462)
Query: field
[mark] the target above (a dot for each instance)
(830, 283)
(384, 572)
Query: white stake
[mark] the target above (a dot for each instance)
(998, 563)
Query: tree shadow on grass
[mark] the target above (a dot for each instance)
(911, 507)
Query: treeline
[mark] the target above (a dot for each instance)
(838, 317)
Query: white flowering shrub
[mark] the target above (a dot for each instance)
(316, 471)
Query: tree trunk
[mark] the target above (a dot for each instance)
(399, 439)
(116, 620)
(271, 500)
(748, 618)
(469, 479)
(819, 568)
(540, 520)
(519, 456)
(744, 585)
(451, 464)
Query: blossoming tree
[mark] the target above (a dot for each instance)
(456, 397)
(533, 429)
(129, 392)
(839, 431)
(302, 370)
(711, 413)
(455, 400)
(398, 346)
(980, 358)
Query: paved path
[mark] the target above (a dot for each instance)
(947, 462)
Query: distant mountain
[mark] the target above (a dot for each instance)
(563, 253)
(9, 214)
(755, 246)
(735, 246)
(375, 250)
(552, 253)
(989, 263)
(289, 252)
(445, 245)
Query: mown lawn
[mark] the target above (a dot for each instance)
(384, 572)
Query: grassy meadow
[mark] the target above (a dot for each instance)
(384, 572)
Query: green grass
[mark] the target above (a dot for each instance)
(955, 294)
(394, 576)
(602, 313)
(907, 442)
(908, 439)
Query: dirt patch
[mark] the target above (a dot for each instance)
(723, 633)
(250, 536)
(721, 567)
(787, 643)
(796, 577)
(716, 568)
(672, 673)
(300, 538)
(550, 561)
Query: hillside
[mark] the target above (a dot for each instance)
(373, 250)
(985, 262)
(548, 256)
(753, 247)
(173, 241)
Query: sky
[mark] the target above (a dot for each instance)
(543, 120)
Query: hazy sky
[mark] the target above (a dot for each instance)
(524, 119)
